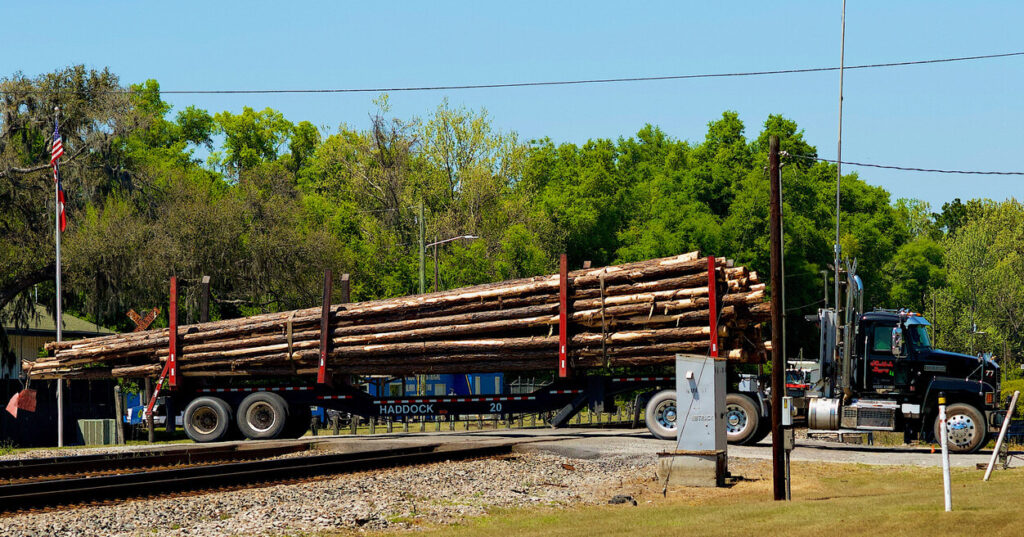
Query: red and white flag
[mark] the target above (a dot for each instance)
(56, 150)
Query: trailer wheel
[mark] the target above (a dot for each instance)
(742, 420)
(965, 428)
(660, 415)
(262, 415)
(207, 419)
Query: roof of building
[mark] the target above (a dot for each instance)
(42, 324)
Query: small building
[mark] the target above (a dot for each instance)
(26, 341)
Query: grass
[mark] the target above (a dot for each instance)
(846, 499)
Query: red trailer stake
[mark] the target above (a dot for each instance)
(172, 358)
(713, 305)
(563, 318)
(321, 374)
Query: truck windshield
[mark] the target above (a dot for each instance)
(919, 337)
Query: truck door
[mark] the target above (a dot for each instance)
(878, 360)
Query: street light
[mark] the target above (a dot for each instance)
(420, 388)
(438, 243)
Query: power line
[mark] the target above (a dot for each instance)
(907, 168)
(819, 301)
(568, 82)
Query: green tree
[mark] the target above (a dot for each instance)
(521, 254)
(917, 219)
(915, 269)
(303, 144)
(95, 116)
(251, 137)
(985, 270)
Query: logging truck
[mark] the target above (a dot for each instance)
(604, 334)
(877, 371)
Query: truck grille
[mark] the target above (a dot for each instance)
(869, 418)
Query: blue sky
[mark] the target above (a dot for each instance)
(965, 116)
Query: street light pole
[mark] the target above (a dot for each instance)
(423, 240)
(839, 154)
(420, 379)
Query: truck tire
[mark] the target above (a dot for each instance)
(207, 419)
(660, 415)
(262, 415)
(742, 419)
(966, 431)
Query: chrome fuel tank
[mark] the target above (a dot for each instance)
(823, 413)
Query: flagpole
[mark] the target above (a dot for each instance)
(60, 316)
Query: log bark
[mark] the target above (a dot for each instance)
(632, 314)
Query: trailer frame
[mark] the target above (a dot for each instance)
(568, 394)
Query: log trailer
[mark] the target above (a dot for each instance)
(218, 408)
(877, 371)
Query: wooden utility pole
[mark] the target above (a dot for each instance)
(778, 372)
(204, 300)
(345, 291)
(118, 416)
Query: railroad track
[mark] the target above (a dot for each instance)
(76, 490)
(82, 465)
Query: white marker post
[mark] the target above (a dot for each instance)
(945, 453)
(1002, 435)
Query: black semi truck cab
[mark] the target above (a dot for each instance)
(880, 372)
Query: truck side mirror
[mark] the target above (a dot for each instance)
(897, 341)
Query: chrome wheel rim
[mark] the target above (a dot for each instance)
(665, 414)
(735, 419)
(960, 430)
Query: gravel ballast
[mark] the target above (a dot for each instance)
(410, 497)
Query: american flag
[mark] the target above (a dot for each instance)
(58, 146)
(56, 150)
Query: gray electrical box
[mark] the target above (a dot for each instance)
(700, 403)
(700, 458)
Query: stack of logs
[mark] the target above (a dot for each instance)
(634, 314)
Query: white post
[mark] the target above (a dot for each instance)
(58, 321)
(1002, 435)
(945, 453)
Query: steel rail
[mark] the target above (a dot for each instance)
(58, 492)
(82, 464)
(10, 463)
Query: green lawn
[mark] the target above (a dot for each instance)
(829, 499)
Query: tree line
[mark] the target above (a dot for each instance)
(263, 205)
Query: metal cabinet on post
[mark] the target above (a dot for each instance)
(700, 455)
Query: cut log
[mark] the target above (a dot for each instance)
(632, 314)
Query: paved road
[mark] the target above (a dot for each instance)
(594, 443)
(588, 443)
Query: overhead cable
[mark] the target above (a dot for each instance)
(907, 168)
(569, 82)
